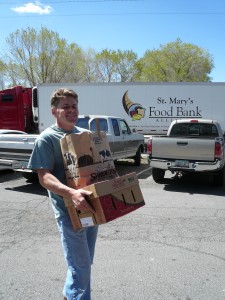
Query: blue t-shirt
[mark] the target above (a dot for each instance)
(47, 154)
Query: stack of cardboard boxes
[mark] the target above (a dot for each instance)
(88, 165)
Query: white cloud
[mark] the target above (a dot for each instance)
(33, 8)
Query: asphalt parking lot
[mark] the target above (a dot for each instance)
(173, 248)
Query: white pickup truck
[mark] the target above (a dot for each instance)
(190, 146)
(15, 149)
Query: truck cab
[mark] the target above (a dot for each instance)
(16, 109)
(123, 142)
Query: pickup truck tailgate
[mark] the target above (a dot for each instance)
(16, 146)
(183, 148)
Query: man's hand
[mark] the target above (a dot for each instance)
(79, 196)
(80, 200)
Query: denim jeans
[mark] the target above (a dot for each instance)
(78, 246)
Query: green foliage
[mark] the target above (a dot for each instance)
(105, 65)
(40, 57)
(116, 66)
(89, 66)
(3, 68)
(36, 57)
(126, 65)
(176, 61)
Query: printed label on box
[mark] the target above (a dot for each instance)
(86, 222)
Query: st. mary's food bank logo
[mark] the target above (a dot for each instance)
(135, 110)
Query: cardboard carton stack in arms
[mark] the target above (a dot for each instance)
(89, 165)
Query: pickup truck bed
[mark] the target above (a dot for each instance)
(190, 146)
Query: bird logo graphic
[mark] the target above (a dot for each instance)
(135, 110)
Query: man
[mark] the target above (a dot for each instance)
(47, 160)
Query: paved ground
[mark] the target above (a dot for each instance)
(171, 249)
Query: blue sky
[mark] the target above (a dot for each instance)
(137, 25)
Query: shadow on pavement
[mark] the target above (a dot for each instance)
(9, 175)
(31, 188)
(127, 166)
(28, 187)
(193, 184)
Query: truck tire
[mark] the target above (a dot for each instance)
(31, 176)
(137, 157)
(218, 179)
(158, 175)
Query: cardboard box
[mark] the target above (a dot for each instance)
(111, 199)
(87, 158)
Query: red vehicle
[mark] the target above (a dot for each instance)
(16, 109)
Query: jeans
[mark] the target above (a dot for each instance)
(78, 246)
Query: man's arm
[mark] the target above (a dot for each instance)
(50, 182)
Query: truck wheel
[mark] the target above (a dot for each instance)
(137, 157)
(31, 176)
(218, 179)
(158, 175)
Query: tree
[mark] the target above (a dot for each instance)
(116, 66)
(2, 74)
(176, 61)
(40, 57)
(105, 66)
(83, 67)
(89, 65)
(126, 65)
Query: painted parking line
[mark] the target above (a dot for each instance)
(139, 173)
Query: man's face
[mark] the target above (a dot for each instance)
(66, 113)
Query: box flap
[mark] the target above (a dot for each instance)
(111, 186)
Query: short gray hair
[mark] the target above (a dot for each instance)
(61, 93)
